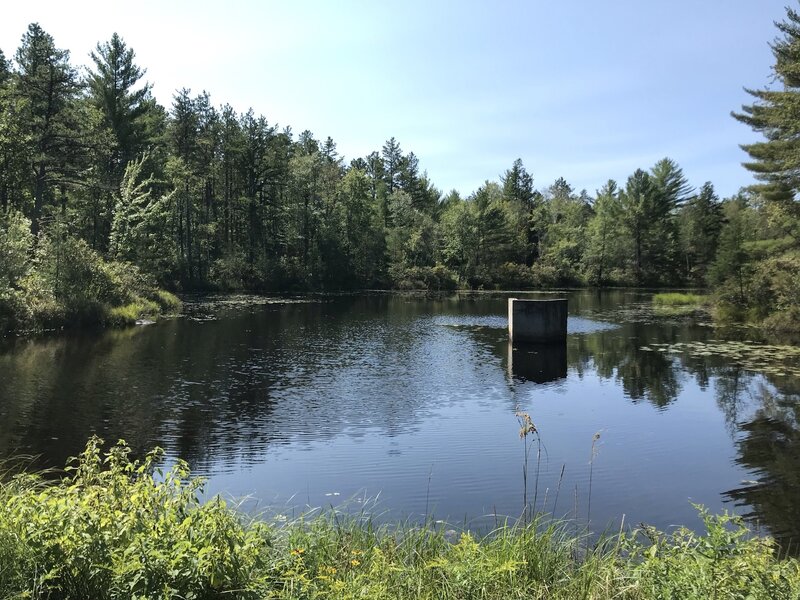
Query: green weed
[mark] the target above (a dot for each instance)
(121, 528)
(679, 299)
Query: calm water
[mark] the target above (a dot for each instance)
(408, 404)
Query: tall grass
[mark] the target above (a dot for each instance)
(680, 299)
(118, 528)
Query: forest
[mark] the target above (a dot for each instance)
(107, 198)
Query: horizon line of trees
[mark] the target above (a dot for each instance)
(202, 196)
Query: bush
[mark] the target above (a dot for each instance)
(766, 295)
(232, 271)
(80, 281)
(66, 283)
(117, 528)
(120, 528)
(544, 275)
(16, 244)
(514, 276)
(437, 278)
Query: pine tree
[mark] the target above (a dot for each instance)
(776, 161)
(126, 105)
(392, 161)
(635, 202)
(5, 68)
(700, 224)
(518, 185)
(13, 167)
(48, 86)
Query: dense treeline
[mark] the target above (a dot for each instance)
(199, 196)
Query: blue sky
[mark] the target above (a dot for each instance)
(582, 89)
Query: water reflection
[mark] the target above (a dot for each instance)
(769, 447)
(377, 389)
(539, 363)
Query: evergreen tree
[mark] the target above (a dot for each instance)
(673, 190)
(48, 86)
(700, 224)
(671, 183)
(636, 202)
(127, 106)
(774, 161)
(363, 236)
(605, 244)
(518, 189)
(138, 232)
(392, 157)
(730, 272)
(5, 68)
(13, 152)
(125, 123)
(518, 185)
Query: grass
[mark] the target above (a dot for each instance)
(679, 299)
(162, 303)
(128, 314)
(168, 301)
(117, 528)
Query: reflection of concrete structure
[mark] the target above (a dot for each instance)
(539, 363)
(537, 320)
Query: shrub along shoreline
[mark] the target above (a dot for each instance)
(55, 280)
(117, 528)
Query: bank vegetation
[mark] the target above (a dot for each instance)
(121, 528)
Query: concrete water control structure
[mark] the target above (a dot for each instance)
(537, 320)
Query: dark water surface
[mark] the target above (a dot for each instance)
(407, 404)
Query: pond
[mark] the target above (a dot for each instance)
(406, 406)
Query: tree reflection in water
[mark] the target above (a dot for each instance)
(768, 445)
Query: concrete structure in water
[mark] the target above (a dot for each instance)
(537, 320)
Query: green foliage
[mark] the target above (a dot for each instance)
(725, 562)
(199, 196)
(119, 528)
(754, 279)
(48, 118)
(700, 221)
(756, 270)
(604, 249)
(128, 314)
(561, 221)
(647, 220)
(169, 302)
(509, 276)
(16, 242)
(60, 281)
(774, 114)
(777, 286)
(122, 528)
(436, 278)
(679, 299)
(137, 233)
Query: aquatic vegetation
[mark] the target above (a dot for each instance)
(679, 299)
(207, 307)
(121, 528)
(762, 358)
(675, 304)
(650, 313)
